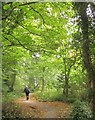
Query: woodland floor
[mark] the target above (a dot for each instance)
(37, 109)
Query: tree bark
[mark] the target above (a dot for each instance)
(66, 82)
(43, 80)
(86, 51)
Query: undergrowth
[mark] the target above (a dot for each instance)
(10, 110)
(81, 111)
(11, 96)
(53, 95)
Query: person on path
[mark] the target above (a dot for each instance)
(27, 92)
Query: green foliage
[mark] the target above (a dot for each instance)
(10, 111)
(49, 95)
(33, 40)
(11, 96)
(81, 111)
(53, 95)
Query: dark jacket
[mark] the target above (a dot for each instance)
(26, 90)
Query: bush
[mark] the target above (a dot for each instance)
(10, 96)
(53, 95)
(49, 95)
(10, 110)
(81, 111)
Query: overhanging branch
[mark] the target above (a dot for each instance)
(31, 8)
(21, 44)
(28, 29)
(11, 9)
(43, 50)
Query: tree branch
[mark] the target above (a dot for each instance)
(28, 30)
(27, 3)
(39, 15)
(30, 49)
(11, 10)
(21, 44)
(12, 44)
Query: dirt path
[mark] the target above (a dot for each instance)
(34, 108)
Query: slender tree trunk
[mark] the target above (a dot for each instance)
(66, 80)
(43, 84)
(67, 74)
(12, 75)
(43, 79)
(12, 80)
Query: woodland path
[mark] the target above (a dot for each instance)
(36, 109)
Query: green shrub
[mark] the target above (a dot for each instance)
(49, 95)
(53, 95)
(10, 110)
(81, 111)
(10, 96)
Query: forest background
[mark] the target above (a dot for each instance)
(49, 46)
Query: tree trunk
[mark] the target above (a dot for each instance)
(43, 80)
(67, 70)
(12, 80)
(86, 51)
(93, 100)
(66, 80)
(43, 84)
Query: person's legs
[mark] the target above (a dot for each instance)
(27, 96)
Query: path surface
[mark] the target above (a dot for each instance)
(34, 108)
